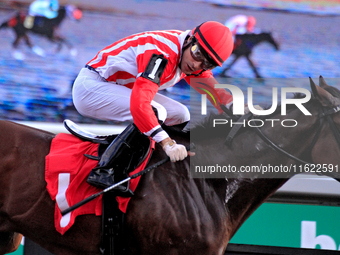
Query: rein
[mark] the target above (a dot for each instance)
(334, 129)
(325, 114)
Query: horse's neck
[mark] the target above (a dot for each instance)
(248, 147)
(242, 196)
(258, 38)
(61, 15)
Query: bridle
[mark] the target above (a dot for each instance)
(325, 115)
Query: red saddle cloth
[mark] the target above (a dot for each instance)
(66, 173)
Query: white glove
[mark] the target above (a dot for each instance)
(175, 151)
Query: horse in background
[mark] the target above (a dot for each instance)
(244, 45)
(171, 212)
(23, 23)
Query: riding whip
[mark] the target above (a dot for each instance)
(90, 198)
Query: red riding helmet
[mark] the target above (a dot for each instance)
(216, 39)
(251, 23)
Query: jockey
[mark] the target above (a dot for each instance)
(44, 8)
(40, 9)
(241, 24)
(121, 83)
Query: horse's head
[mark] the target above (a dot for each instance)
(268, 37)
(73, 12)
(327, 146)
(70, 11)
(244, 43)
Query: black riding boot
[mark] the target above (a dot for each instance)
(119, 159)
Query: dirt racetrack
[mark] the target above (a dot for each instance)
(39, 88)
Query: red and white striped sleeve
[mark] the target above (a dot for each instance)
(125, 61)
(163, 46)
(216, 96)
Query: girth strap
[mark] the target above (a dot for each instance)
(112, 240)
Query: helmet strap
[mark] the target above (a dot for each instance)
(187, 43)
(197, 74)
(185, 46)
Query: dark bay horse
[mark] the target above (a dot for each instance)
(171, 212)
(41, 26)
(244, 45)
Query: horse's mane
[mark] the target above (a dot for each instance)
(333, 91)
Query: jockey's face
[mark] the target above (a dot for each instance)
(189, 63)
(194, 58)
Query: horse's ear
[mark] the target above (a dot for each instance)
(324, 97)
(322, 82)
(313, 87)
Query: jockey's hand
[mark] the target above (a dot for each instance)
(175, 151)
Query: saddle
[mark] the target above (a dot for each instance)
(31, 21)
(104, 141)
(112, 240)
(85, 135)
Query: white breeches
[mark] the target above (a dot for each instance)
(94, 97)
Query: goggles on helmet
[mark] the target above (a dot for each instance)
(198, 54)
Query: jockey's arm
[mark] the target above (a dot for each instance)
(206, 86)
(145, 119)
(216, 96)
